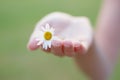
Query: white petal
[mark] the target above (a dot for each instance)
(43, 28)
(45, 44)
(49, 44)
(40, 42)
(47, 26)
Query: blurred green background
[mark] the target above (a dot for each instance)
(17, 21)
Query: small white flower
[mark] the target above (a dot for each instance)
(45, 36)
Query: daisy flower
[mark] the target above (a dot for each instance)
(45, 36)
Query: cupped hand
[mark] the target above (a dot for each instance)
(75, 34)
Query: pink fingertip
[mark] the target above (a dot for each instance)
(32, 45)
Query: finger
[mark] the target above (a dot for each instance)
(57, 48)
(68, 48)
(32, 44)
(79, 49)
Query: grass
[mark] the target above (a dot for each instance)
(17, 20)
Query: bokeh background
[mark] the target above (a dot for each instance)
(17, 21)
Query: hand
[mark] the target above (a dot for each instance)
(75, 33)
(100, 58)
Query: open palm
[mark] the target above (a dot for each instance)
(75, 34)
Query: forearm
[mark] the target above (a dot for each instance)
(98, 62)
(94, 64)
(108, 29)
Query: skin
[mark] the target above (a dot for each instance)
(95, 54)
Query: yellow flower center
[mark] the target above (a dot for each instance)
(47, 35)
